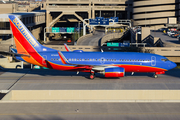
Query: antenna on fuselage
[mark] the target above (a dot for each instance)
(102, 50)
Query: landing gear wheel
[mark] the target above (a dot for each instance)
(155, 76)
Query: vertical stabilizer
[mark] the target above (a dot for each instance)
(26, 43)
(24, 40)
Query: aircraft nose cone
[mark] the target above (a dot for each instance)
(173, 65)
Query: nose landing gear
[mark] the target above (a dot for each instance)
(155, 76)
(92, 75)
(158, 73)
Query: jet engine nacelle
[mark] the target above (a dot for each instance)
(114, 72)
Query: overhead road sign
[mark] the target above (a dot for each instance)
(70, 29)
(118, 44)
(93, 22)
(63, 29)
(124, 44)
(113, 44)
(55, 29)
(115, 19)
(104, 21)
(99, 18)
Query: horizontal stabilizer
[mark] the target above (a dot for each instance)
(15, 54)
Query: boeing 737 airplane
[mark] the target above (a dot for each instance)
(110, 64)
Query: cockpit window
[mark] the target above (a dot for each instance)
(164, 59)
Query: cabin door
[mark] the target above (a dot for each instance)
(153, 61)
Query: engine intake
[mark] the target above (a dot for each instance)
(114, 72)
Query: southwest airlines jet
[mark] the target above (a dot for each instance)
(110, 64)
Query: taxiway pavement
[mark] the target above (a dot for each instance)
(62, 80)
(90, 111)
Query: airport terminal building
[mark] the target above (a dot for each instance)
(143, 12)
(154, 12)
(69, 13)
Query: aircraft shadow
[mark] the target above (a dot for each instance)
(51, 72)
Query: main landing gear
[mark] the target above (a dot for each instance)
(92, 76)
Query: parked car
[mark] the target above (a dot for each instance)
(167, 33)
(175, 35)
(171, 33)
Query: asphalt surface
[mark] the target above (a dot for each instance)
(90, 111)
(168, 41)
(48, 79)
(60, 80)
(92, 40)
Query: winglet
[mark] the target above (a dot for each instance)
(63, 59)
(66, 47)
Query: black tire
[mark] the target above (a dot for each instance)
(155, 76)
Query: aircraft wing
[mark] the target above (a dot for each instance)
(86, 66)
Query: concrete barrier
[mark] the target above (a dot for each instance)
(111, 36)
(94, 95)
